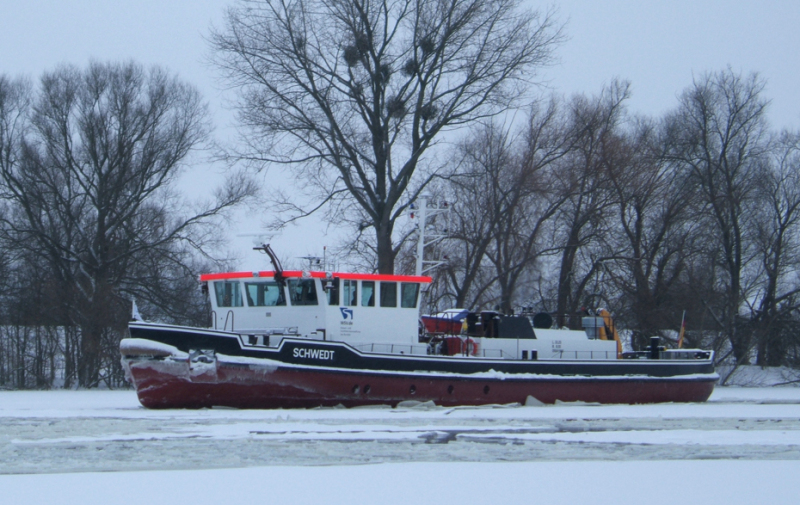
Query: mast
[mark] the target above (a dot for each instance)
(425, 211)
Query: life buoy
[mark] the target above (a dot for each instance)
(472, 347)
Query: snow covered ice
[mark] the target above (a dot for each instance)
(54, 443)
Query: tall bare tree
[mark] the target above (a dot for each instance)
(720, 134)
(658, 229)
(777, 242)
(352, 93)
(87, 165)
(582, 219)
(504, 200)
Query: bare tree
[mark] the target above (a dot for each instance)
(777, 242)
(352, 93)
(505, 189)
(477, 189)
(582, 220)
(659, 227)
(87, 166)
(720, 134)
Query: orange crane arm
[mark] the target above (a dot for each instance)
(609, 331)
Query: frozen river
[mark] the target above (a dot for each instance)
(49, 434)
(69, 431)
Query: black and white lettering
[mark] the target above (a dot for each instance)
(300, 352)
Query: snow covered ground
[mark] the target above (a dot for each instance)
(93, 447)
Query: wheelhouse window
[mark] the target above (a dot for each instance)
(409, 292)
(349, 293)
(228, 293)
(302, 292)
(367, 293)
(388, 294)
(264, 294)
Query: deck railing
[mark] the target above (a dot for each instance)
(393, 348)
(230, 316)
(421, 350)
(587, 354)
(690, 354)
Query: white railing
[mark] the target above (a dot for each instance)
(586, 354)
(393, 348)
(228, 315)
(422, 350)
(493, 353)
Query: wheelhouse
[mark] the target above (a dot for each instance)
(354, 308)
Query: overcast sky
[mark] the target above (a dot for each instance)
(658, 45)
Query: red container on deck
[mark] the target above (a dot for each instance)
(448, 322)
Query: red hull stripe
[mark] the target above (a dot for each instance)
(315, 275)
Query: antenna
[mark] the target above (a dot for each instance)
(258, 238)
(313, 261)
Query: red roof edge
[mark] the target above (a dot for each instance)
(316, 275)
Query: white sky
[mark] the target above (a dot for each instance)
(660, 45)
(657, 45)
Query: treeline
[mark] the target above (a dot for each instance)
(588, 205)
(584, 205)
(90, 220)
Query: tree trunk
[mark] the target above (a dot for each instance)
(386, 252)
(89, 361)
(565, 278)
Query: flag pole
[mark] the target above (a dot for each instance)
(683, 329)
